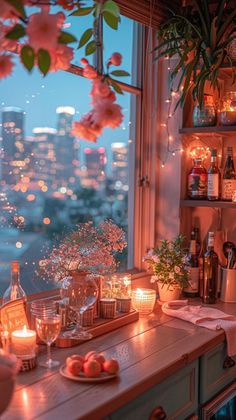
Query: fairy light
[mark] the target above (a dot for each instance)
(173, 95)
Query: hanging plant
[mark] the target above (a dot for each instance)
(200, 37)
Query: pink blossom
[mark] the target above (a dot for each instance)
(6, 65)
(61, 57)
(101, 91)
(6, 10)
(87, 128)
(116, 59)
(43, 30)
(89, 72)
(108, 114)
(84, 61)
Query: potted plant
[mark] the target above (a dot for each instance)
(168, 264)
(201, 37)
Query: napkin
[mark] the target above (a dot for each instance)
(210, 318)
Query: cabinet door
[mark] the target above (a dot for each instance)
(177, 395)
(215, 372)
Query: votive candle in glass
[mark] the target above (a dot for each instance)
(23, 342)
(143, 300)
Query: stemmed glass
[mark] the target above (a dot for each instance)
(48, 329)
(81, 292)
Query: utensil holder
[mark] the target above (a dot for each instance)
(228, 285)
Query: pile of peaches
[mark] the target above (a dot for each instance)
(91, 365)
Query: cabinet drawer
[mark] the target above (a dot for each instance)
(177, 395)
(213, 376)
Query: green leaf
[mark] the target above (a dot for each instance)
(90, 48)
(225, 25)
(116, 87)
(27, 57)
(18, 6)
(82, 11)
(66, 38)
(213, 33)
(111, 20)
(44, 61)
(85, 37)
(18, 31)
(120, 73)
(112, 8)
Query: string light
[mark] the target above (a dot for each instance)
(170, 140)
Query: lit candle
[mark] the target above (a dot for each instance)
(23, 342)
(143, 300)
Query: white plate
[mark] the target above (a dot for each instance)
(103, 377)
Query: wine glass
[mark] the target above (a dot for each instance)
(48, 329)
(81, 292)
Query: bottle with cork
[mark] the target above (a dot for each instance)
(14, 291)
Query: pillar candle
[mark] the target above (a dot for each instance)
(23, 342)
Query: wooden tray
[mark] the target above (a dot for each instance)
(100, 326)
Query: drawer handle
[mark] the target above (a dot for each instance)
(158, 414)
(228, 362)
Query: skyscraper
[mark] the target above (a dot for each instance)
(12, 144)
(95, 161)
(120, 165)
(65, 147)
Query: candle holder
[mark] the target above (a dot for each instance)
(108, 308)
(143, 300)
(123, 304)
(86, 318)
(27, 363)
(227, 112)
(23, 345)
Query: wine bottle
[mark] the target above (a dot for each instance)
(210, 272)
(199, 251)
(213, 178)
(197, 181)
(229, 177)
(193, 269)
(14, 291)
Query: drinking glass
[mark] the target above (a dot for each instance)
(81, 291)
(48, 329)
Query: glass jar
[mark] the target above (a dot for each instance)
(197, 181)
(227, 112)
(205, 116)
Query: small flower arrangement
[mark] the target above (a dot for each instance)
(168, 263)
(89, 248)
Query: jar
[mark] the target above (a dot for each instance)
(227, 112)
(205, 116)
(197, 181)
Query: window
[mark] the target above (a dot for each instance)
(49, 180)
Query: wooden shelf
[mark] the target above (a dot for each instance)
(209, 131)
(206, 203)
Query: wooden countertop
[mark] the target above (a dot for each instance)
(148, 351)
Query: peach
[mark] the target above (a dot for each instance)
(75, 357)
(111, 366)
(89, 354)
(98, 357)
(74, 367)
(92, 368)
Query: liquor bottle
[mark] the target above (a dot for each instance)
(193, 269)
(199, 251)
(210, 272)
(14, 291)
(229, 177)
(197, 181)
(213, 178)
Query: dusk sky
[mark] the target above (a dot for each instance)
(39, 96)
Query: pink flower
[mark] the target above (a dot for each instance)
(6, 10)
(107, 114)
(43, 30)
(84, 61)
(116, 59)
(6, 65)
(101, 91)
(61, 57)
(89, 72)
(87, 128)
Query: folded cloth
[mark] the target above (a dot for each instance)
(210, 318)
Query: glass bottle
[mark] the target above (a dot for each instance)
(210, 272)
(193, 269)
(14, 291)
(199, 251)
(229, 177)
(197, 181)
(213, 178)
(205, 116)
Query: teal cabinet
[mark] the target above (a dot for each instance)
(213, 375)
(177, 395)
